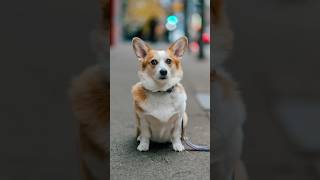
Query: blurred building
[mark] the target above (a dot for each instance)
(162, 20)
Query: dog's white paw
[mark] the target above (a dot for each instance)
(178, 146)
(143, 146)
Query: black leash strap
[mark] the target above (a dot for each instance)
(195, 147)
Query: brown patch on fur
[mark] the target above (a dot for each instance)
(176, 61)
(138, 93)
(147, 59)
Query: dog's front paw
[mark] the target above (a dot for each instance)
(143, 146)
(178, 146)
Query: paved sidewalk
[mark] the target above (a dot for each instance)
(161, 162)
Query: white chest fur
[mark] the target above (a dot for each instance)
(163, 106)
(163, 112)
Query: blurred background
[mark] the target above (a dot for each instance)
(159, 22)
(162, 21)
(276, 62)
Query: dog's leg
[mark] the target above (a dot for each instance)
(176, 135)
(144, 136)
(185, 124)
(138, 127)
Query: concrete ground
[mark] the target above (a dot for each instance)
(275, 59)
(161, 162)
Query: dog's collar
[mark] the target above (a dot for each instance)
(166, 91)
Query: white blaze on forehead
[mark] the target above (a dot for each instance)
(161, 56)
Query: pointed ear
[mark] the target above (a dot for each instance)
(140, 47)
(179, 46)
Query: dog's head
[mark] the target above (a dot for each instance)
(159, 69)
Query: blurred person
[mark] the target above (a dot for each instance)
(153, 23)
(142, 18)
(160, 30)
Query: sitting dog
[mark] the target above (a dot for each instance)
(159, 98)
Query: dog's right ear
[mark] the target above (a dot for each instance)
(140, 47)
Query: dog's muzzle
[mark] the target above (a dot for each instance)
(163, 74)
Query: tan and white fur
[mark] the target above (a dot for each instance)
(228, 107)
(159, 113)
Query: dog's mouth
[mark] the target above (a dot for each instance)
(163, 77)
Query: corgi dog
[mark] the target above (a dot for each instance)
(159, 98)
(228, 107)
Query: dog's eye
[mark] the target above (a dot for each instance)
(168, 61)
(154, 62)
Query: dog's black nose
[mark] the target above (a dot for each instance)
(163, 72)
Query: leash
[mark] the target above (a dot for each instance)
(192, 147)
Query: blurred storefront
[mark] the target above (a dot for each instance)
(162, 20)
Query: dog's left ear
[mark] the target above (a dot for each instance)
(179, 46)
(140, 48)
